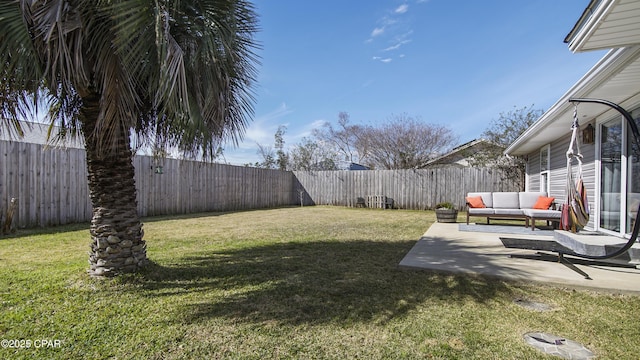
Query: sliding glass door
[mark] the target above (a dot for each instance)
(619, 176)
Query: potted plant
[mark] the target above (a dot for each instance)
(446, 212)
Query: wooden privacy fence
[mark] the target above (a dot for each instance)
(51, 186)
(194, 186)
(406, 189)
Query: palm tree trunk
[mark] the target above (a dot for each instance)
(116, 231)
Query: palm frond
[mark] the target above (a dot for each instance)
(206, 50)
(19, 71)
(57, 33)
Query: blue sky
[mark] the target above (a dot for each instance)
(452, 62)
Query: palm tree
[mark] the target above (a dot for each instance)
(171, 73)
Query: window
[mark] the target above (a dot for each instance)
(610, 174)
(544, 168)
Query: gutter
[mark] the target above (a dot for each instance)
(591, 18)
(586, 14)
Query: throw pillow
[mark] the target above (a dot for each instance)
(475, 201)
(543, 203)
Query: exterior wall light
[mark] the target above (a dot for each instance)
(588, 134)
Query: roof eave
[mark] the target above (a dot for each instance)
(588, 23)
(586, 14)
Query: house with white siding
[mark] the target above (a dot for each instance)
(611, 163)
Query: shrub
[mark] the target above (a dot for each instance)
(445, 205)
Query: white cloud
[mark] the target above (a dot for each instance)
(404, 36)
(393, 47)
(385, 23)
(384, 60)
(277, 113)
(402, 9)
(377, 32)
(390, 29)
(388, 21)
(261, 130)
(307, 130)
(318, 124)
(255, 134)
(397, 46)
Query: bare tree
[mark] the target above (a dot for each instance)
(282, 158)
(346, 139)
(510, 125)
(268, 157)
(504, 131)
(311, 155)
(274, 157)
(404, 142)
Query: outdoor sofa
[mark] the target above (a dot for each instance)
(529, 206)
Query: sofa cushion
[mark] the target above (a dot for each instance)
(487, 199)
(514, 212)
(480, 211)
(506, 200)
(475, 202)
(543, 203)
(529, 199)
(542, 214)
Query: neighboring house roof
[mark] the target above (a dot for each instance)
(460, 155)
(614, 78)
(346, 165)
(36, 133)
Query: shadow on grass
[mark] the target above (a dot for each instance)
(317, 282)
(210, 213)
(53, 229)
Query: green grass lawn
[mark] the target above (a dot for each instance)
(312, 283)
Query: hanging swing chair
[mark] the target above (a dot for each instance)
(575, 211)
(636, 135)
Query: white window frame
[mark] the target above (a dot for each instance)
(545, 171)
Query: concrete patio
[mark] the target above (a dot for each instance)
(445, 248)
